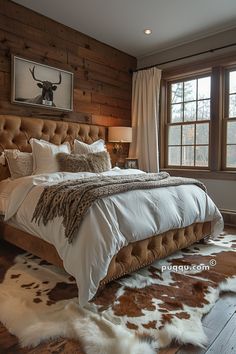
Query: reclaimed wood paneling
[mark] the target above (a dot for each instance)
(102, 79)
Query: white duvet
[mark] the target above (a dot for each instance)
(110, 223)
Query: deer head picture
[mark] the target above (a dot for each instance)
(47, 88)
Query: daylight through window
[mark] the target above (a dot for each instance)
(188, 122)
(231, 121)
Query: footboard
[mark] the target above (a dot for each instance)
(142, 253)
(130, 258)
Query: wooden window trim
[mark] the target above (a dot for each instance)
(197, 173)
(201, 66)
(216, 119)
(168, 123)
(226, 118)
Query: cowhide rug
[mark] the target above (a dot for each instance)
(136, 314)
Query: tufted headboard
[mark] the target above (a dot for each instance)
(15, 133)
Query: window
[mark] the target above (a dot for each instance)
(231, 119)
(198, 119)
(188, 122)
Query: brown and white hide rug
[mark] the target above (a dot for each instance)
(137, 314)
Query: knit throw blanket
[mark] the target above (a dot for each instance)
(72, 199)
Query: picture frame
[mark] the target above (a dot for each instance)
(131, 163)
(40, 85)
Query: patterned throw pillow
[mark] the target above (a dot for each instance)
(20, 163)
(95, 162)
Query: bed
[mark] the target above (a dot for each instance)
(15, 133)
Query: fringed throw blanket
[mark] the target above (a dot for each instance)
(72, 199)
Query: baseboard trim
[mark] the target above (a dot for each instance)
(229, 217)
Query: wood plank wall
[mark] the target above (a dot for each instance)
(102, 79)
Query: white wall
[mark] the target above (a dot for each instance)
(211, 42)
(222, 192)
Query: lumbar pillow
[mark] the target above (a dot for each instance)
(20, 163)
(83, 148)
(95, 162)
(44, 155)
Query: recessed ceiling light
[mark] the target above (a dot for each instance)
(147, 31)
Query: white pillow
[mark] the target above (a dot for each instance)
(44, 155)
(83, 148)
(5, 191)
(2, 159)
(20, 163)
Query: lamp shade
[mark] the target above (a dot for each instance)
(120, 134)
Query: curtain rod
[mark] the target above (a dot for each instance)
(186, 57)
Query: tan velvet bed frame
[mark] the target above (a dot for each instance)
(15, 133)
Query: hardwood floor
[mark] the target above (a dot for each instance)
(219, 325)
(220, 328)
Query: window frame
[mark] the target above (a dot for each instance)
(168, 123)
(226, 118)
(218, 68)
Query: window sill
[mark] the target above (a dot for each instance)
(222, 175)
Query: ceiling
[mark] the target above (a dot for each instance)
(120, 23)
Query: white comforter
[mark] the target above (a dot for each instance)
(110, 224)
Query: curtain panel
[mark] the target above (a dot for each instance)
(145, 118)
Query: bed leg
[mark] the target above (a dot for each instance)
(205, 239)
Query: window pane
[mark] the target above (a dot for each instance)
(203, 110)
(189, 111)
(188, 139)
(177, 113)
(188, 134)
(177, 92)
(232, 106)
(190, 90)
(201, 156)
(174, 135)
(231, 133)
(188, 156)
(202, 133)
(204, 87)
(231, 156)
(232, 82)
(174, 155)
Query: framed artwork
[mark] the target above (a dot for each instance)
(41, 85)
(131, 163)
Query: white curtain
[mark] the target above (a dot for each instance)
(145, 118)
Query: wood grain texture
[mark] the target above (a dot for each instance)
(102, 78)
(225, 342)
(214, 324)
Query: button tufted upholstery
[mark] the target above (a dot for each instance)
(141, 253)
(130, 258)
(15, 133)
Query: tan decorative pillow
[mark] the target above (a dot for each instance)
(94, 162)
(20, 163)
